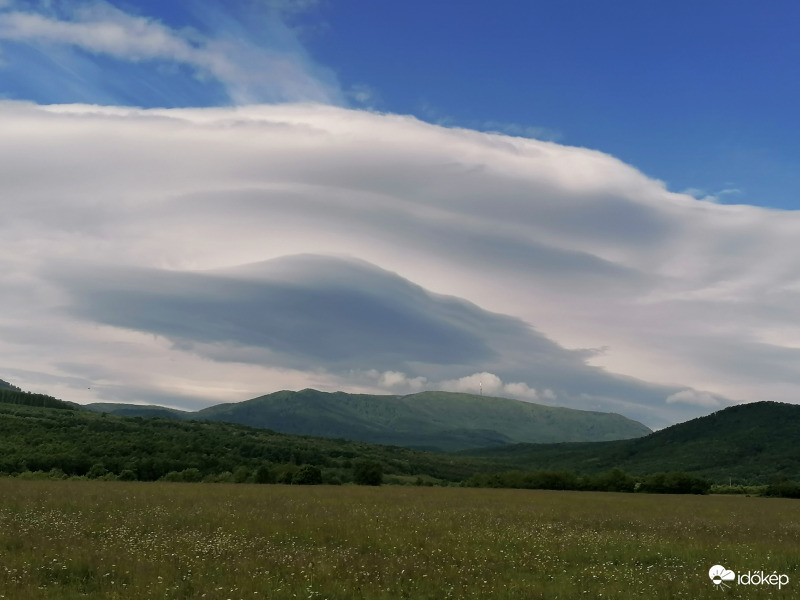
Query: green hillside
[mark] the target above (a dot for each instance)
(138, 410)
(749, 443)
(440, 421)
(80, 442)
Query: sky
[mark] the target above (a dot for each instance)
(575, 203)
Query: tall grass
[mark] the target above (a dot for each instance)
(85, 539)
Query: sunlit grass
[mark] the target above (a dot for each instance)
(83, 539)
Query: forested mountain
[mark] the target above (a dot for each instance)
(747, 443)
(440, 421)
(80, 442)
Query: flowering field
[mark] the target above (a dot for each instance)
(89, 539)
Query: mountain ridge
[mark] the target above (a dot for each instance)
(441, 421)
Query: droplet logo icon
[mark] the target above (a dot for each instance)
(719, 575)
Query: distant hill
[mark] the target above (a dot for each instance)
(441, 421)
(139, 410)
(747, 443)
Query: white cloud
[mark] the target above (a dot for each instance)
(491, 385)
(519, 130)
(701, 194)
(592, 253)
(729, 192)
(694, 397)
(472, 384)
(121, 36)
(393, 379)
(524, 391)
(250, 72)
(363, 95)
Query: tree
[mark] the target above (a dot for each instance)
(191, 475)
(97, 470)
(264, 475)
(241, 474)
(675, 482)
(127, 475)
(307, 475)
(368, 472)
(614, 481)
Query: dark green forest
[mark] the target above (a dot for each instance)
(747, 445)
(12, 395)
(83, 443)
(616, 480)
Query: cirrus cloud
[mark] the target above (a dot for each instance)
(264, 65)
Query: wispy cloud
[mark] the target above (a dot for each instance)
(520, 130)
(695, 397)
(273, 67)
(716, 196)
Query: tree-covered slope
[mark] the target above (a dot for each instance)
(4, 385)
(13, 395)
(77, 441)
(747, 443)
(138, 410)
(442, 421)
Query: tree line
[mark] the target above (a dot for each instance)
(615, 480)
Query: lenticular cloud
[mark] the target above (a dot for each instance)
(129, 237)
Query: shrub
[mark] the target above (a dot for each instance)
(224, 477)
(264, 474)
(614, 481)
(127, 475)
(307, 475)
(191, 475)
(286, 477)
(97, 470)
(675, 482)
(367, 472)
(241, 475)
(784, 489)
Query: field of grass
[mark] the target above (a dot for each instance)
(87, 539)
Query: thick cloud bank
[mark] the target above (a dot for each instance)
(139, 256)
(355, 320)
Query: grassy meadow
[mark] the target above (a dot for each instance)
(91, 539)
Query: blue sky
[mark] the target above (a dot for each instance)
(578, 203)
(700, 95)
